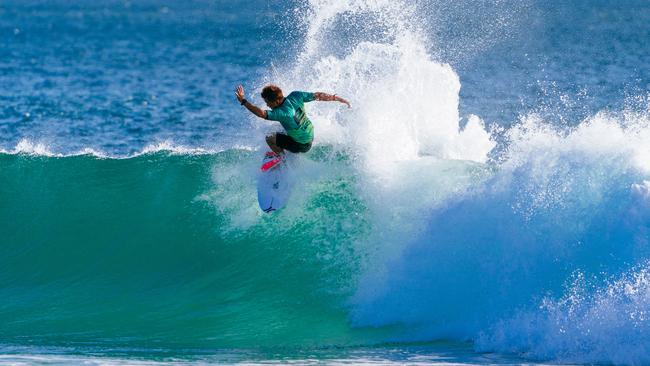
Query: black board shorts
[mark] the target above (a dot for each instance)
(286, 142)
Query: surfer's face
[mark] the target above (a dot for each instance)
(273, 104)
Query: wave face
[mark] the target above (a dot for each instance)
(543, 252)
(165, 250)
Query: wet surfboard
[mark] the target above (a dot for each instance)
(273, 184)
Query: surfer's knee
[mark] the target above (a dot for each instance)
(272, 142)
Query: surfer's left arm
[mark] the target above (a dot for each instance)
(324, 97)
(239, 92)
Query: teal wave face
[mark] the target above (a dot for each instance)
(148, 251)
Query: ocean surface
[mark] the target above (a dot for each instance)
(486, 200)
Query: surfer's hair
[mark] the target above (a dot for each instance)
(272, 93)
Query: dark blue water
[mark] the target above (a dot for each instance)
(117, 76)
(565, 60)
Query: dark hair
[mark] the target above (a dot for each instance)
(272, 93)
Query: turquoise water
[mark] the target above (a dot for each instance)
(485, 201)
(137, 262)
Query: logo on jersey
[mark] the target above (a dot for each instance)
(300, 117)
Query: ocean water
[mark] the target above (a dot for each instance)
(486, 200)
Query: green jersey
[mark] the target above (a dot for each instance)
(291, 114)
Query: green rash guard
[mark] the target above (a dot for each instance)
(291, 114)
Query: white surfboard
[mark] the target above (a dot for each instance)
(274, 184)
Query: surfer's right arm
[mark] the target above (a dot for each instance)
(239, 92)
(324, 97)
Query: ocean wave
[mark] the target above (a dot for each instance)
(406, 224)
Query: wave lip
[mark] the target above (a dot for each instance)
(29, 147)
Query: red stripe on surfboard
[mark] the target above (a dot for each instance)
(270, 164)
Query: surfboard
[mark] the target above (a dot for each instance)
(273, 183)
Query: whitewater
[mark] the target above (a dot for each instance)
(416, 232)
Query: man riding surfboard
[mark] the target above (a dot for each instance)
(290, 112)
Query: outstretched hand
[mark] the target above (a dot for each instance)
(239, 92)
(330, 98)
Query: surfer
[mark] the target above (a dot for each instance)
(290, 112)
